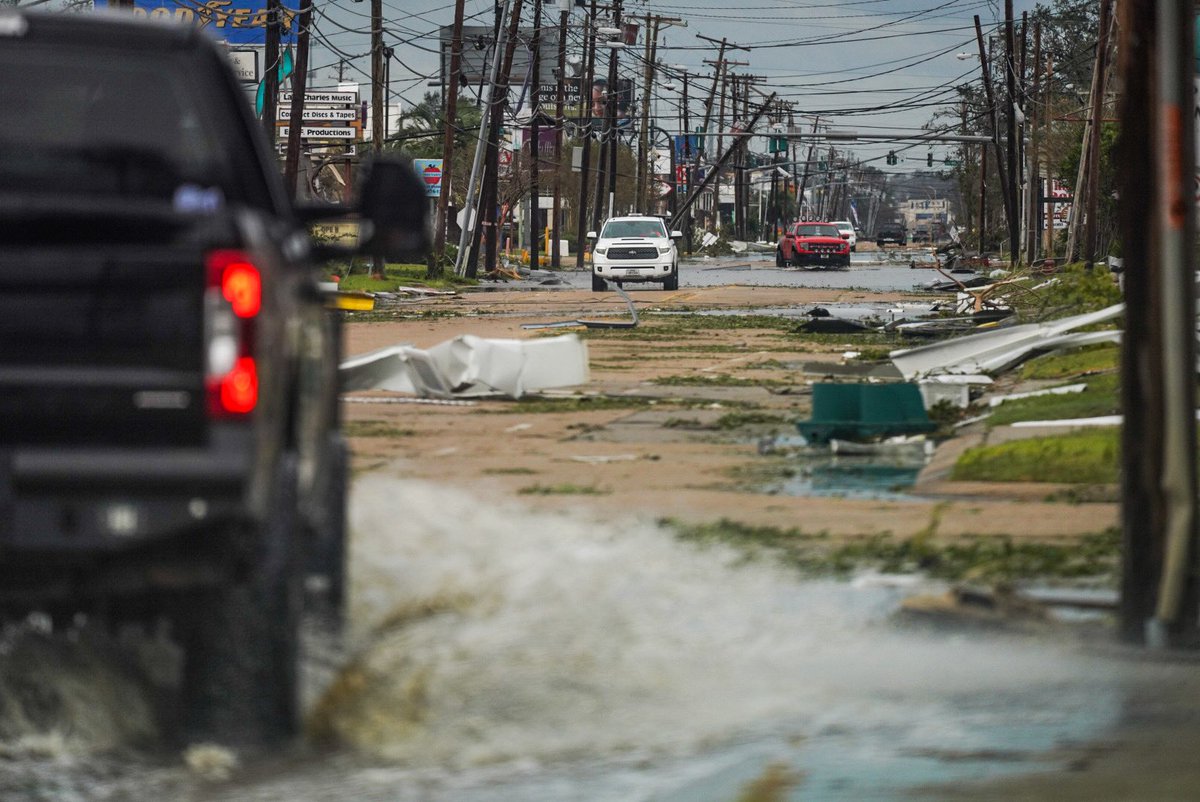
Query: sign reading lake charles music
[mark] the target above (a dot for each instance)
(318, 114)
(327, 97)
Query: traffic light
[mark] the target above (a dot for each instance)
(891, 157)
(929, 158)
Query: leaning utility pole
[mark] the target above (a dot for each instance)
(804, 180)
(1010, 185)
(1160, 603)
(450, 90)
(468, 242)
(1079, 191)
(488, 203)
(1005, 192)
(702, 185)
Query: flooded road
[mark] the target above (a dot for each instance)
(887, 271)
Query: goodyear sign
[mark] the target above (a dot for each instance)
(242, 22)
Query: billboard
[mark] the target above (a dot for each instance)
(240, 22)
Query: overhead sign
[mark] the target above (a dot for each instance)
(318, 114)
(430, 172)
(242, 23)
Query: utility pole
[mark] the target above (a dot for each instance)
(271, 76)
(291, 162)
(1091, 232)
(609, 153)
(807, 163)
(643, 132)
(688, 167)
(535, 132)
(1079, 191)
(556, 212)
(585, 125)
(378, 113)
(491, 182)
(437, 262)
(1010, 185)
(991, 101)
(1034, 118)
(1159, 600)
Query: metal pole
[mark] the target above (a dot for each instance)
(535, 131)
(1175, 615)
(469, 212)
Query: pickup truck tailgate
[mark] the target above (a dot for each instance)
(102, 345)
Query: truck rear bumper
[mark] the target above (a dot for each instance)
(99, 501)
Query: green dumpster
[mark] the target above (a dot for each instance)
(864, 412)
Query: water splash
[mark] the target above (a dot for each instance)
(497, 636)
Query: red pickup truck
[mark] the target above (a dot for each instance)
(812, 244)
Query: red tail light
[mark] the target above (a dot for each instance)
(232, 303)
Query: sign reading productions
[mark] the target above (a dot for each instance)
(242, 22)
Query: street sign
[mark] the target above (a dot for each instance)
(430, 172)
(321, 132)
(329, 97)
(319, 114)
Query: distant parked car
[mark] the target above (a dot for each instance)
(817, 244)
(891, 234)
(846, 229)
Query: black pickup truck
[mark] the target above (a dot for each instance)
(891, 233)
(169, 441)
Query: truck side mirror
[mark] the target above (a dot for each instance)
(676, 234)
(590, 235)
(393, 207)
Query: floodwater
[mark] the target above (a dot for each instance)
(517, 656)
(888, 272)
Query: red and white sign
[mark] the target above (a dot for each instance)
(430, 171)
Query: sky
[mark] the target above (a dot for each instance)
(865, 65)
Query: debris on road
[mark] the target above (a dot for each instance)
(997, 350)
(471, 367)
(595, 324)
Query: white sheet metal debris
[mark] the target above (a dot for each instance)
(995, 350)
(471, 367)
(1063, 390)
